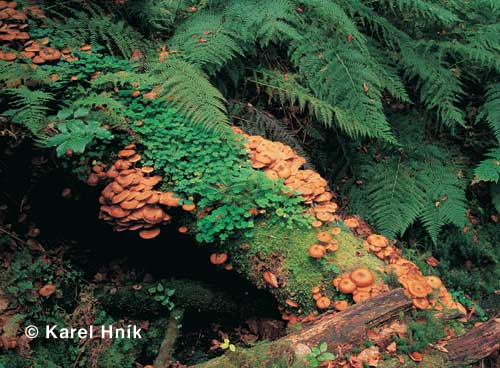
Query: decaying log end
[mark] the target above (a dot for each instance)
(476, 344)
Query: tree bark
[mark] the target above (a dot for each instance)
(341, 331)
(475, 344)
(168, 344)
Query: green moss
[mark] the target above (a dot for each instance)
(277, 355)
(284, 251)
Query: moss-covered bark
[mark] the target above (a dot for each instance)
(188, 295)
(284, 252)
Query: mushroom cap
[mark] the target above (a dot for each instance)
(351, 222)
(434, 282)
(130, 205)
(417, 289)
(340, 305)
(134, 158)
(378, 240)
(317, 251)
(153, 214)
(169, 199)
(346, 285)
(362, 277)
(120, 197)
(147, 169)
(315, 290)
(324, 237)
(332, 246)
(421, 303)
(126, 153)
(149, 233)
(336, 230)
(47, 290)
(360, 296)
(183, 229)
(218, 258)
(118, 212)
(189, 207)
(316, 223)
(324, 216)
(50, 54)
(323, 302)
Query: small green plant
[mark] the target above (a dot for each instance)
(76, 131)
(226, 345)
(162, 295)
(319, 355)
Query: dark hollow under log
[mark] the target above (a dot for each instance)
(341, 331)
(475, 344)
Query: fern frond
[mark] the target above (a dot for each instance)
(495, 196)
(445, 199)
(440, 89)
(341, 75)
(391, 207)
(489, 168)
(29, 108)
(490, 110)
(207, 41)
(286, 89)
(430, 10)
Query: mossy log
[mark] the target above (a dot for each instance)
(341, 331)
(189, 295)
(284, 253)
(476, 344)
(167, 346)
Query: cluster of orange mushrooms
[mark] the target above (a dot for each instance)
(326, 244)
(13, 34)
(281, 161)
(13, 25)
(129, 201)
(360, 283)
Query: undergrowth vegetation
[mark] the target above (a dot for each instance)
(396, 102)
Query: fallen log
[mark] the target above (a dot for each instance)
(476, 344)
(341, 331)
(167, 346)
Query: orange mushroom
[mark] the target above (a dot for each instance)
(182, 229)
(421, 303)
(346, 285)
(315, 290)
(336, 230)
(360, 296)
(434, 282)
(323, 302)
(324, 237)
(317, 251)
(340, 305)
(149, 233)
(188, 207)
(379, 241)
(50, 54)
(362, 277)
(47, 290)
(218, 258)
(417, 289)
